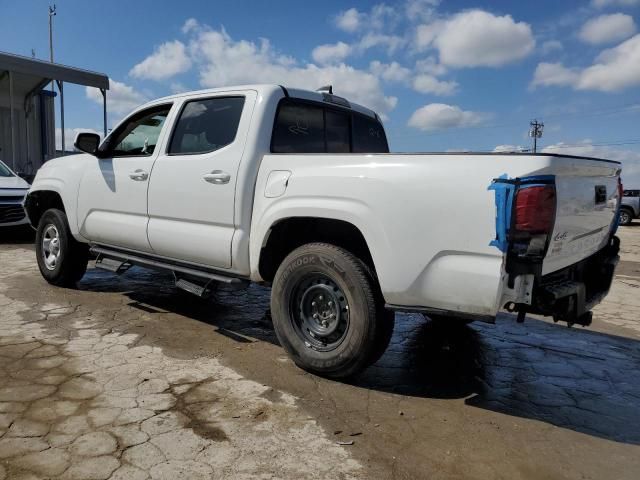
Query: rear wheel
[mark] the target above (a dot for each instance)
(327, 311)
(625, 216)
(61, 258)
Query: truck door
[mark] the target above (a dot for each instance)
(112, 199)
(193, 183)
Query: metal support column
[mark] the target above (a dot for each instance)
(104, 111)
(11, 121)
(62, 132)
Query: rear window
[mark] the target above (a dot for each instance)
(368, 135)
(206, 125)
(305, 127)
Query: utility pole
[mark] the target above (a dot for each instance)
(535, 132)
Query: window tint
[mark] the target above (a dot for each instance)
(368, 135)
(207, 125)
(298, 128)
(139, 135)
(337, 131)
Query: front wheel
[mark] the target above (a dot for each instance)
(61, 258)
(328, 312)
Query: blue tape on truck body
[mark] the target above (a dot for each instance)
(505, 190)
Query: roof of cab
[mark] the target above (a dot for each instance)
(266, 89)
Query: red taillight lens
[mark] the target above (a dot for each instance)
(535, 209)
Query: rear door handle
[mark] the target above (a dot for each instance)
(217, 177)
(139, 175)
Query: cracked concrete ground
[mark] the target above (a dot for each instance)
(126, 378)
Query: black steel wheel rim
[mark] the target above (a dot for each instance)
(319, 312)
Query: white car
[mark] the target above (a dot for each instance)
(12, 192)
(297, 190)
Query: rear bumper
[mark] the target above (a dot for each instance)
(569, 294)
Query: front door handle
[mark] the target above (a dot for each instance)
(217, 177)
(139, 175)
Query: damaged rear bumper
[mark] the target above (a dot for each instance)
(569, 294)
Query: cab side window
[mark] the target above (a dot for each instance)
(206, 125)
(299, 127)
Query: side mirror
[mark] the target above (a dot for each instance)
(87, 142)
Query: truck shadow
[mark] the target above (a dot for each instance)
(20, 235)
(577, 379)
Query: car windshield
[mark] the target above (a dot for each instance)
(4, 171)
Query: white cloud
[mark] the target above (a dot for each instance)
(167, 60)
(431, 66)
(614, 70)
(349, 20)
(630, 158)
(390, 43)
(222, 60)
(553, 74)
(425, 83)
(509, 148)
(550, 46)
(390, 72)
(438, 116)
(607, 29)
(190, 25)
(476, 38)
(616, 3)
(70, 137)
(121, 98)
(331, 53)
(421, 9)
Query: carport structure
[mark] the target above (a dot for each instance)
(27, 112)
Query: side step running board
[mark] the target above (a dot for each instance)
(119, 261)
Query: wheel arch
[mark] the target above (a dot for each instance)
(287, 234)
(39, 201)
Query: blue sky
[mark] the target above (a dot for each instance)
(446, 75)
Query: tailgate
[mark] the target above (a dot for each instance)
(586, 211)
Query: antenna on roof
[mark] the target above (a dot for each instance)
(326, 89)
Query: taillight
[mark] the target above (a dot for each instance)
(535, 209)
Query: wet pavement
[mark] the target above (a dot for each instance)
(126, 377)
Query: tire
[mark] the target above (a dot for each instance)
(316, 281)
(626, 216)
(65, 265)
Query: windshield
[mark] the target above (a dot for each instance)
(4, 170)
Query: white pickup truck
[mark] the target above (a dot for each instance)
(297, 190)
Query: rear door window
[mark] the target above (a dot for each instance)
(206, 125)
(299, 128)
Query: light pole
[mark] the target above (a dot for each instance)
(52, 13)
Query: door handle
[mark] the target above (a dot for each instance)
(139, 175)
(217, 177)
